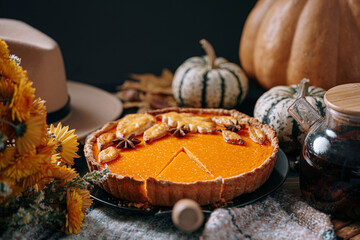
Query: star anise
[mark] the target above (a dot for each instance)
(129, 142)
(234, 127)
(179, 131)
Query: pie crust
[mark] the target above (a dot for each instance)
(166, 193)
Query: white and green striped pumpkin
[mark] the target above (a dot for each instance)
(272, 109)
(209, 82)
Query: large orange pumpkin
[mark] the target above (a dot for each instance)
(284, 41)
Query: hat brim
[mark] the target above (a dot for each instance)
(91, 108)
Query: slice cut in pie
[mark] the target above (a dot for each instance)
(207, 155)
(183, 168)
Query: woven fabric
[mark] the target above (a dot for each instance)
(280, 216)
(108, 223)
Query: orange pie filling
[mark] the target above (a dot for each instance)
(203, 166)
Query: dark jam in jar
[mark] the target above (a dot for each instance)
(330, 173)
(330, 159)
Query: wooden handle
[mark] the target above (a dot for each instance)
(187, 215)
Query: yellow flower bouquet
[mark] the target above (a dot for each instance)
(37, 183)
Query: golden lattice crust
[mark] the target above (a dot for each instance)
(166, 193)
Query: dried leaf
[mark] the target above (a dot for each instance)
(150, 83)
(164, 80)
(147, 91)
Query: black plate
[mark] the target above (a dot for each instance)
(275, 180)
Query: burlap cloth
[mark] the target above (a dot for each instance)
(281, 215)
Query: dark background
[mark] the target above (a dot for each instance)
(103, 41)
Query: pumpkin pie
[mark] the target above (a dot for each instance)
(162, 156)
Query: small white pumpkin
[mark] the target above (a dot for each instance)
(209, 82)
(272, 109)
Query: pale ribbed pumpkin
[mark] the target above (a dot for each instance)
(271, 108)
(209, 82)
(286, 40)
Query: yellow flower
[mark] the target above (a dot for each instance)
(8, 68)
(10, 71)
(39, 179)
(7, 88)
(6, 129)
(66, 143)
(24, 166)
(64, 173)
(32, 134)
(48, 172)
(85, 197)
(47, 150)
(55, 158)
(36, 181)
(6, 93)
(74, 214)
(4, 50)
(22, 100)
(7, 157)
(38, 107)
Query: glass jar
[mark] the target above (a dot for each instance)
(330, 158)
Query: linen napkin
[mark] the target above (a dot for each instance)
(282, 215)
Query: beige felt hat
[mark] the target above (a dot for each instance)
(81, 106)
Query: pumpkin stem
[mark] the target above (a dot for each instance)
(209, 51)
(303, 89)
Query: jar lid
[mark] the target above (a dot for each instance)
(344, 98)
